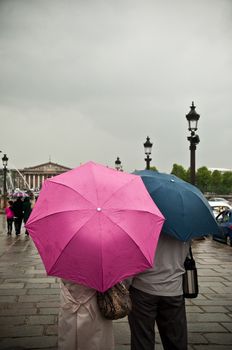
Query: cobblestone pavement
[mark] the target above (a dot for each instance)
(29, 300)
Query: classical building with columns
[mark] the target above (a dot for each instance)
(33, 177)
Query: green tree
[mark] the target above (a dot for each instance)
(188, 177)
(203, 179)
(153, 168)
(206, 180)
(216, 181)
(226, 187)
(179, 171)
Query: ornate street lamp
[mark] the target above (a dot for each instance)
(147, 149)
(118, 164)
(192, 118)
(4, 162)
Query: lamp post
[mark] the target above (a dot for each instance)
(4, 162)
(147, 149)
(118, 164)
(192, 118)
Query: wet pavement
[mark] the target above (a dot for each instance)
(29, 300)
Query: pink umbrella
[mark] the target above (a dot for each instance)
(95, 226)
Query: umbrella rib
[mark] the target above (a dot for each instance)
(94, 180)
(127, 232)
(113, 193)
(101, 255)
(69, 242)
(153, 195)
(55, 213)
(72, 189)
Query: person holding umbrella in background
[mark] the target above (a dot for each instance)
(9, 217)
(26, 211)
(157, 294)
(18, 215)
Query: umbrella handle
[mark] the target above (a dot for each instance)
(190, 252)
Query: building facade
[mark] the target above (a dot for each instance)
(33, 177)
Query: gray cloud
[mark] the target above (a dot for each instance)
(83, 80)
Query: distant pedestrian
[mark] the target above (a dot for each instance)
(18, 215)
(26, 210)
(9, 217)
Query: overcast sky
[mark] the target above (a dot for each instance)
(91, 79)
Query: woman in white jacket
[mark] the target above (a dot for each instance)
(81, 326)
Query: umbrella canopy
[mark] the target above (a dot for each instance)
(95, 226)
(187, 212)
(20, 194)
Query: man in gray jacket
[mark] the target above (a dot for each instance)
(157, 296)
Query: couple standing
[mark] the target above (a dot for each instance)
(157, 297)
(17, 212)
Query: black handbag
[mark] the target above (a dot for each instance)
(115, 303)
(190, 279)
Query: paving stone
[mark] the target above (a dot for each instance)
(222, 289)
(206, 279)
(37, 298)
(40, 319)
(12, 320)
(228, 326)
(193, 308)
(122, 347)
(35, 285)
(229, 284)
(48, 304)
(208, 302)
(48, 311)
(211, 284)
(21, 331)
(205, 289)
(40, 291)
(212, 347)
(219, 338)
(16, 306)
(206, 272)
(7, 299)
(208, 317)
(31, 280)
(196, 338)
(35, 273)
(29, 342)
(201, 296)
(219, 296)
(20, 311)
(214, 308)
(13, 292)
(12, 285)
(203, 327)
(47, 348)
(51, 330)
(121, 330)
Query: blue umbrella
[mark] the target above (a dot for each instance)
(186, 210)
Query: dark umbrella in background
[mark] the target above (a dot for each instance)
(187, 212)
